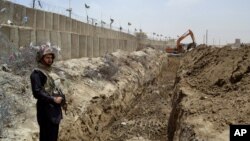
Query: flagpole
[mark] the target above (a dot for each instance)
(34, 3)
(86, 7)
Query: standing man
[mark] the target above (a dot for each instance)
(49, 113)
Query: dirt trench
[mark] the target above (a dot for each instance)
(195, 97)
(140, 96)
(121, 97)
(140, 118)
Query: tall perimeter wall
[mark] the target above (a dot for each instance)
(76, 39)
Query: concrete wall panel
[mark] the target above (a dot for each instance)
(75, 46)
(78, 27)
(17, 14)
(129, 47)
(47, 36)
(5, 32)
(101, 46)
(54, 38)
(96, 47)
(5, 40)
(48, 21)
(89, 46)
(126, 45)
(74, 26)
(109, 45)
(66, 45)
(135, 45)
(116, 47)
(91, 30)
(113, 45)
(121, 44)
(87, 29)
(40, 19)
(68, 24)
(30, 13)
(14, 37)
(33, 36)
(82, 32)
(8, 14)
(62, 23)
(24, 37)
(83, 46)
(42, 36)
(56, 22)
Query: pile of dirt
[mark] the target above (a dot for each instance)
(212, 92)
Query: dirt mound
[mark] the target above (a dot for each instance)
(217, 70)
(212, 92)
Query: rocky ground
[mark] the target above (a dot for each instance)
(139, 96)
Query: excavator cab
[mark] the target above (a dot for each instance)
(191, 45)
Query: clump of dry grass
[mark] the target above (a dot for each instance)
(105, 71)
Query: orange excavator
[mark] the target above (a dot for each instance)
(179, 47)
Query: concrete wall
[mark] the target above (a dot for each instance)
(76, 39)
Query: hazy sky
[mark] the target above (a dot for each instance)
(225, 20)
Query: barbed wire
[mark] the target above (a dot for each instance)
(94, 21)
(63, 11)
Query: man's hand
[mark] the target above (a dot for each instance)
(58, 99)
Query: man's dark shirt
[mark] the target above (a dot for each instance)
(47, 109)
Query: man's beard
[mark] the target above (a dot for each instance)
(47, 64)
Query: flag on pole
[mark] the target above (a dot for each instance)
(87, 6)
(111, 20)
(39, 3)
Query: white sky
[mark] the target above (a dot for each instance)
(225, 20)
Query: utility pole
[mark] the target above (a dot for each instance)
(34, 4)
(129, 24)
(69, 10)
(111, 22)
(87, 7)
(204, 39)
(206, 36)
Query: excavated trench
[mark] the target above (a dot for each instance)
(140, 113)
(144, 96)
(181, 99)
(122, 96)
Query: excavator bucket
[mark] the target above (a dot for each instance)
(191, 45)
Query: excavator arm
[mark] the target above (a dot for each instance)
(178, 42)
(179, 47)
